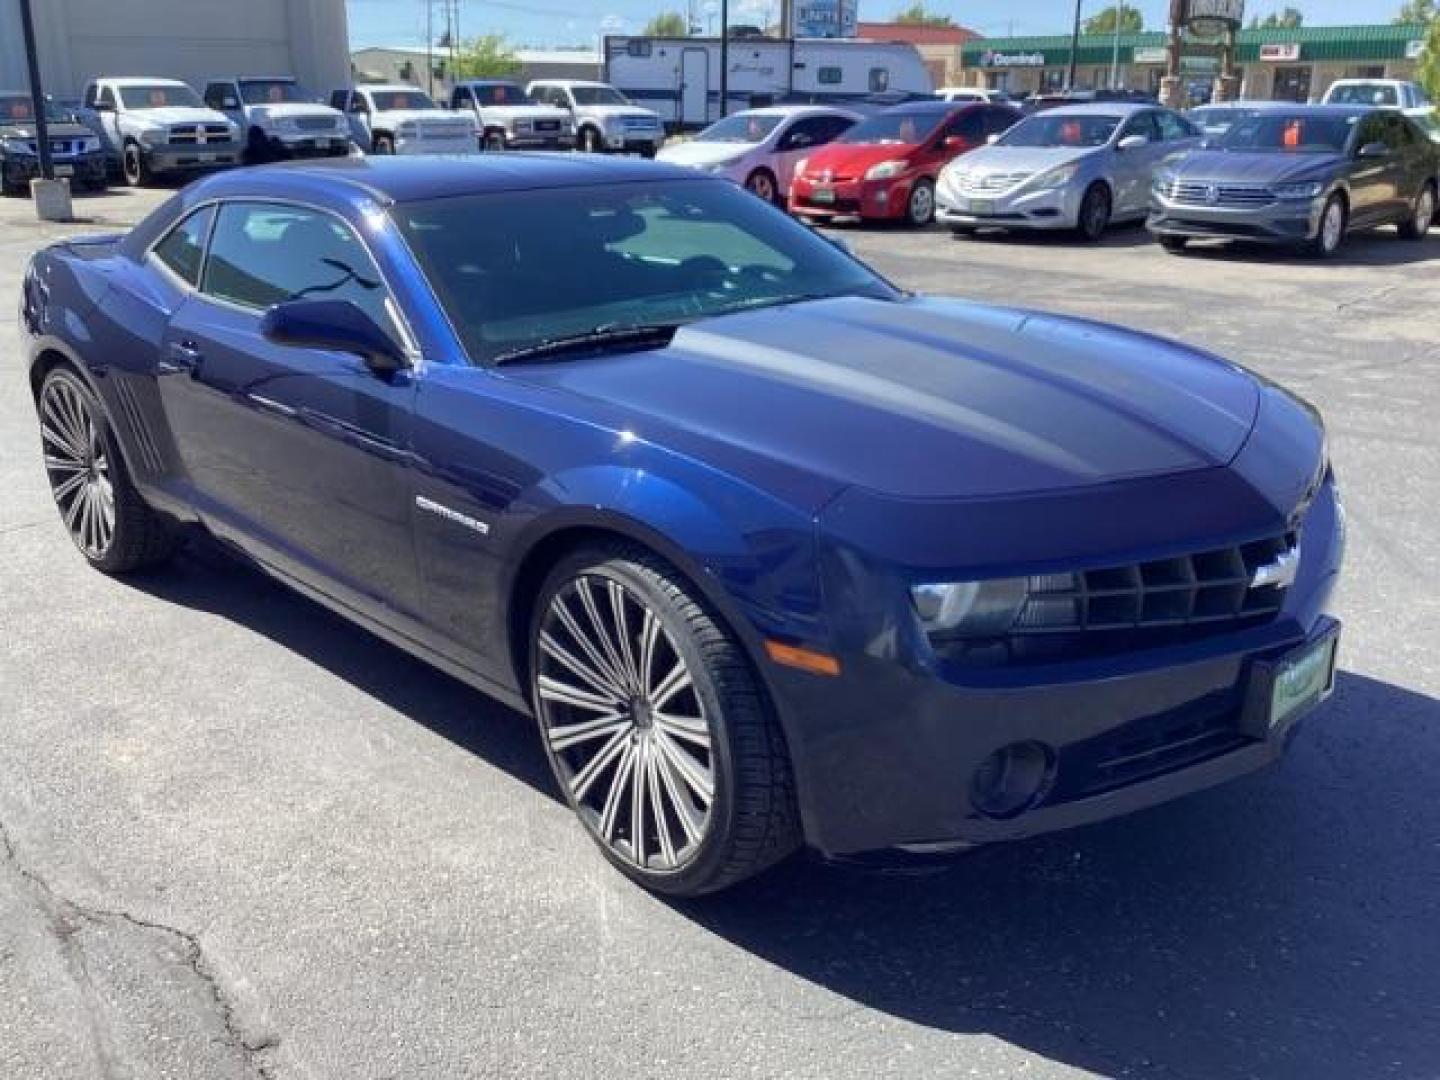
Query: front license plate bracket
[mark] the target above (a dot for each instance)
(1283, 690)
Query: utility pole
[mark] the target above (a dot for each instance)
(37, 92)
(1115, 46)
(724, 58)
(430, 47)
(1074, 48)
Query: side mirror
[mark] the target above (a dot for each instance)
(336, 325)
(1132, 142)
(1373, 150)
(953, 142)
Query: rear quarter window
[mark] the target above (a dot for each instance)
(182, 251)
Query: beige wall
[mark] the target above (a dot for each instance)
(191, 40)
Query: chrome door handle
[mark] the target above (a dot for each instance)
(182, 357)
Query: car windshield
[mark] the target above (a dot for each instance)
(517, 270)
(1367, 93)
(740, 128)
(159, 96)
(598, 95)
(1289, 133)
(272, 92)
(907, 128)
(388, 100)
(20, 110)
(1062, 129)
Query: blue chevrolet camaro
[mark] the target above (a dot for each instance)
(775, 553)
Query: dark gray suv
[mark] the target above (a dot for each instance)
(1305, 175)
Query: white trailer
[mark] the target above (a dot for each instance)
(680, 77)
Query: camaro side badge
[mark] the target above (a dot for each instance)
(1281, 572)
(430, 506)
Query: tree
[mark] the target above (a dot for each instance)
(1428, 73)
(1131, 20)
(1289, 19)
(1417, 11)
(486, 57)
(667, 24)
(918, 15)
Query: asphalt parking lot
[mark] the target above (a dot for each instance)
(240, 838)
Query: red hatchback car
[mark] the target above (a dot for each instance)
(884, 168)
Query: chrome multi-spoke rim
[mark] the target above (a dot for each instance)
(920, 204)
(1334, 219)
(761, 185)
(1424, 212)
(79, 467)
(625, 724)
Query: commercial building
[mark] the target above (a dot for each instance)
(1291, 65)
(939, 46)
(193, 40)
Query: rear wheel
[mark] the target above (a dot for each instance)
(761, 183)
(1095, 210)
(1330, 234)
(920, 207)
(1422, 215)
(103, 513)
(656, 727)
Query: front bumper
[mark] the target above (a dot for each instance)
(643, 141)
(1047, 208)
(539, 140)
(1280, 222)
(467, 144)
(183, 158)
(890, 753)
(290, 145)
(88, 169)
(864, 199)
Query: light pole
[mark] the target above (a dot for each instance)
(52, 197)
(1115, 47)
(1074, 48)
(724, 59)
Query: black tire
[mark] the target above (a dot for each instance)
(762, 184)
(962, 232)
(138, 537)
(1422, 215)
(588, 141)
(382, 145)
(135, 166)
(750, 821)
(1095, 210)
(1175, 245)
(920, 204)
(494, 142)
(257, 148)
(1329, 237)
(11, 190)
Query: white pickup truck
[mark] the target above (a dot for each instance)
(511, 121)
(404, 120)
(605, 119)
(1387, 93)
(150, 127)
(279, 119)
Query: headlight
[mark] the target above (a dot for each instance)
(1297, 191)
(1162, 182)
(800, 166)
(885, 170)
(971, 608)
(18, 147)
(90, 145)
(1057, 177)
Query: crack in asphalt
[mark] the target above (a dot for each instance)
(65, 916)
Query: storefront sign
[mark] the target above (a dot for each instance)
(824, 18)
(1413, 49)
(999, 59)
(1280, 52)
(1157, 54)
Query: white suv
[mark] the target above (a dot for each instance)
(279, 119)
(404, 120)
(604, 117)
(150, 127)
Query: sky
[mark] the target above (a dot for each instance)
(557, 23)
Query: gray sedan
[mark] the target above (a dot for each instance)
(1305, 175)
(1078, 167)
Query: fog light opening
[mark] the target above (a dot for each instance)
(1013, 779)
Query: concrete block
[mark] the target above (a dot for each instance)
(52, 199)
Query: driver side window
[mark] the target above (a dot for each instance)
(262, 254)
(1142, 124)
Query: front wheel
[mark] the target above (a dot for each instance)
(1095, 210)
(656, 726)
(103, 513)
(589, 141)
(136, 166)
(382, 146)
(1331, 232)
(494, 142)
(920, 207)
(1422, 215)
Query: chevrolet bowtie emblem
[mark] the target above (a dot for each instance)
(1280, 572)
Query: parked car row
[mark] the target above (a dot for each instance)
(1271, 172)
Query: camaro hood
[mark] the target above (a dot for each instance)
(700, 154)
(1026, 159)
(924, 399)
(1237, 166)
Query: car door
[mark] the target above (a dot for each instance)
(224, 97)
(1413, 152)
(106, 113)
(1130, 169)
(297, 454)
(962, 132)
(1374, 181)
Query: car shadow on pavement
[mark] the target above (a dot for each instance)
(1287, 925)
(1281, 926)
(1370, 248)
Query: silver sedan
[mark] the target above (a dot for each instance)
(1079, 167)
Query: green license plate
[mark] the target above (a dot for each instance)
(823, 195)
(981, 206)
(1303, 681)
